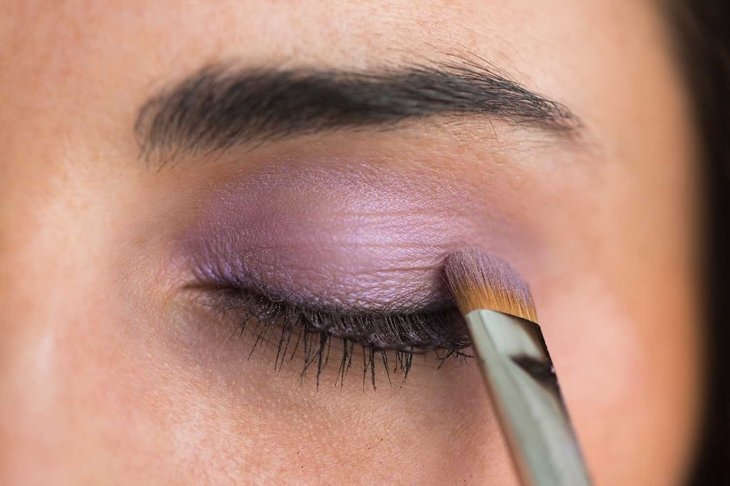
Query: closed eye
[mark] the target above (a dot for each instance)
(389, 338)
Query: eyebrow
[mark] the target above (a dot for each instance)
(220, 107)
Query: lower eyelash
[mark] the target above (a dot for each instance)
(391, 339)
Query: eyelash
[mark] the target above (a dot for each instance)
(391, 339)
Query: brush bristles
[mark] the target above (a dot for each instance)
(478, 280)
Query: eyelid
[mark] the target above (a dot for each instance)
(344, 234)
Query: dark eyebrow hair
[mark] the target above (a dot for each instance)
(220, 107)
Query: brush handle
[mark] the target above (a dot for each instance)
(524, 390)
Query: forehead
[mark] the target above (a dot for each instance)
(606, 60)
(548, 42)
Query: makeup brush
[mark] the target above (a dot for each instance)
(517, 369)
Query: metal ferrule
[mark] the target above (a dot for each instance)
(524, 390)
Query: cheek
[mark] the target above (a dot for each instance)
(136, 398)
(596, 346)
(628, 369)
(190, 404)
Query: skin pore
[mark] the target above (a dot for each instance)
(111, 369)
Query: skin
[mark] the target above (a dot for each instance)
(347, 232)
(111, 371)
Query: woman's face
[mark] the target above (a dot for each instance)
(330, 156)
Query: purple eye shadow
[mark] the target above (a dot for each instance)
(340, 236)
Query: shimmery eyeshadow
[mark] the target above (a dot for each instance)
(335, 236)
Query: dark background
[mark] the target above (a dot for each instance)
(703, 34)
